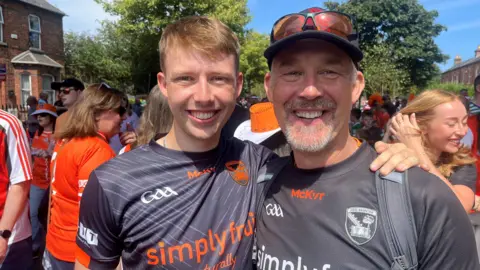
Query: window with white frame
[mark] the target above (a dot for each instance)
(47, 87)
(35, 32)
(1, 24)
(26, 87)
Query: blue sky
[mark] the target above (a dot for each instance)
(462, 18)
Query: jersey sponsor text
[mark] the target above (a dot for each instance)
(266, 261)
(197, 249)
(308, 194)
(87, 235)
(196, 174)
(274, 210)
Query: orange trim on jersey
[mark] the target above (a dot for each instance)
(82, 257)
(21, 145)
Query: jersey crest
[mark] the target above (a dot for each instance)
(361, 224)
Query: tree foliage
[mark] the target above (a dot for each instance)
(382, 74)
(252, 63)
(93, 59)
(405, 27)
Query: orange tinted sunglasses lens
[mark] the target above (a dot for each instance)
(337, 24)
(288, 26)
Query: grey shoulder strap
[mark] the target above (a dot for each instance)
(266, 177)
(398, 221)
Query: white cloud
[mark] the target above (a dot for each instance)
(464, 26)
(82, 15)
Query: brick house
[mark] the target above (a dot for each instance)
(31, 49)
(463, 72)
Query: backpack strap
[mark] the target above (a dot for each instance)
(397, 217)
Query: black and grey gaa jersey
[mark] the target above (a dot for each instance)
(162, 209)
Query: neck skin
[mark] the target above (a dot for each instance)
(433, 154)
(332, 154)
(179, 141)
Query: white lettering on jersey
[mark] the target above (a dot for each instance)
(87, 235)
(268, 262)
(274, 210)
(150, 196)
(82, 183)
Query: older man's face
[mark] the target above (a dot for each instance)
(313, 85)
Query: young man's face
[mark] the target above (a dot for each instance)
(313, 85)
(201, 91)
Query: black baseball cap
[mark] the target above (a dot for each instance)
(350, 46)
(70, 82)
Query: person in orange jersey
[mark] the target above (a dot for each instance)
(82, 146)
(42, 148)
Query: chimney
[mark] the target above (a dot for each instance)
(477, 52)
(457, 60)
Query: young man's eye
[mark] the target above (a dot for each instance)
(183, 79)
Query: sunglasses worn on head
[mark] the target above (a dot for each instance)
(336, 23)
(104, 85)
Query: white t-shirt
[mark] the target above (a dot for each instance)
(115, 140)
(18, 166)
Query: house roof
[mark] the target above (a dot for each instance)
(43, 4)
(464, 64)
(34, 58)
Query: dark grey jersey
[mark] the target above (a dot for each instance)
(328, 219)
(163, 209)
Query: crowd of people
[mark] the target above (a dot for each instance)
(191, 180)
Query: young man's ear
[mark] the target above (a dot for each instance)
(239, 85)
(162, 83)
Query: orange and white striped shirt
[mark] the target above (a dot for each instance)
(41, 164)
(15, 168)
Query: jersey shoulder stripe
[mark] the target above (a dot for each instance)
(16, 135)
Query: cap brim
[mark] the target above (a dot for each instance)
(353, 51)
(44, 111)
(244, 132)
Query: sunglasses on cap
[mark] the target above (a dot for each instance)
(336, 23)
(66, 90)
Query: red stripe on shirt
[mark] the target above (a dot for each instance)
(21, 146)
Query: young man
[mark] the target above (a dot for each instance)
(187, 200)
(15, 177)
(70, 90)
(326, 191)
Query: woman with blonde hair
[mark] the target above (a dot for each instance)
(432, 125)
(156, 119)
(82, 146)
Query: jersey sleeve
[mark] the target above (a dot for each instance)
(465, 175)
(445, 234)
(99, 157)
(98, 245)
(18, 158)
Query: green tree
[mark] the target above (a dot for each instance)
(252, 63)
(406, 27)
(92, 59)
(382, 74)
(141, 22)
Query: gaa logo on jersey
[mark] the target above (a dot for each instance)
(361, 224)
